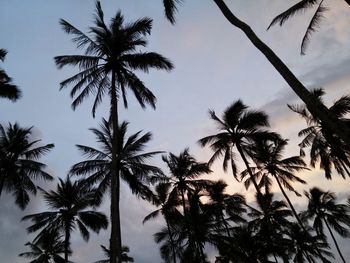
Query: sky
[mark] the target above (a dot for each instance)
(214, 65)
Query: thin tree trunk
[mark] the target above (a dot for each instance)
(66, 242)
(335, 241)
(315, 107)
(275, 258)
(290, 203)
(171, 239)
(115, 238)
(248, 168)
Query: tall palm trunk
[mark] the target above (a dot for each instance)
(314, 106)
(290, 203)
(171, 239)
(115, 242)
(239, 149)
(66, 242)
(335, 241)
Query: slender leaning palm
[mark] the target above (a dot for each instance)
(324, 211)
(268, 156)
(47, 249)
(238, 128)
(7, 89)
(315, 107)
(107, 68)
(19, 162)
(69, 206)
(325, 148)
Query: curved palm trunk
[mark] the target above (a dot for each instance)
(335, 241)
(314, 106)
(248, 168)
(115, 244)
(171, 239)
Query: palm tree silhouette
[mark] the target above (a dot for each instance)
(184, 173)
(7, 89)
(107, 67)
(268, 221)
(68, 210)
(48, 248)
(315, 107)
(301, 7)
(268, 157)
(132, 166)
(306, 246)
(19, 162)
(131, 159)
(323, 210)
(326, 148)
(237, 128)
(225, 207)
(167, 204)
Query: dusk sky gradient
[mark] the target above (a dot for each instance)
(215, 64)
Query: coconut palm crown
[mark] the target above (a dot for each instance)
(19, 162)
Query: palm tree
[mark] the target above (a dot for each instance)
(68, 210)
(131, 160)
(184, 173)
(315, 107)
(268, 221)
(107, 67)
(221, 204)
(301, 7)
(306, 246)
(125, 256)
(46, 249)
(238, 128)
(167, 204)
(268, 157)
(7, 89)
(244, 246)
(19, 163)
(177, 242)
(325, 148)
(323, 210)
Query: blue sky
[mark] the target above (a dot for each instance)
(214, 65)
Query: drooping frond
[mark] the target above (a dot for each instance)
(295, 9)
(170, 8)
(314, 24)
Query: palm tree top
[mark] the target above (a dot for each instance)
(185, 166)
(19, 162)
(7, 89)
(111, 48)
(131, 157)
